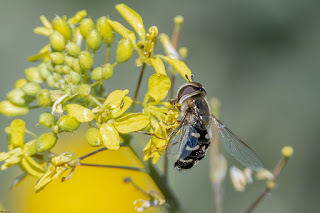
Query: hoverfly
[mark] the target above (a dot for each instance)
(195, 130)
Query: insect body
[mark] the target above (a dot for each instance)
(195, 131)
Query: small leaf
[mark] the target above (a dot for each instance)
(131, 122)
(17, 129)
(82, 114)
(133, 18)
(122, 30)
(159, 86)
(158, 65)
(180, 66)
(110, 136)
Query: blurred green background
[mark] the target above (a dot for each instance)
(260, 58)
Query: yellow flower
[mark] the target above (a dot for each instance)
(19, 152)
(58, 166)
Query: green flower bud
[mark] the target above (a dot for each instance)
(58, 69)
(94, 137)
(75, 77)
(43, 71)
(56, 94)
(33, 75)
(51, 82)
(20, 82)
(73, 49)
(57, 41)
(10, 109)
(44, 98)
(69, 60)
(50, 66)
(68, 123)
(62, 27)
(56, 76)
(84, 90)
(55, 128)
(86, 60)
(57, 58)
(107, 71)
(85, 26)
(67, 78)
(74, 89)
(105, 30)
(31, 147)
(96, 74)
(19, 97)
(94, 39)
(76, 65)
(31, 88)
(124, 50)
(66, 69)
(46, 141)
(46, 119)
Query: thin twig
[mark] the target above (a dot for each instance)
(138, 85)
(92, 153)
(107, 54)
(276, 172)
(114, 166)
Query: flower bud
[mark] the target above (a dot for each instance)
(124, 50)
(107, 71)
(94, 39)
(46, 119)
(43, 98)
(33, 75)
(74, 89)
(61, 26)
(105, 30)
(96, 74)
(75, 77)
(46, 141)
(19, 97)
(43, 71)
(9, 109)
(68, 123)
(56, 76)
(20, 82)
(31, 147)
(58, 69)
(66, 69)
(69, 60)
(50, 66)
(73, 49)
(57, 41)
(94, 137)
(86, 60)
(57, 58)
(85, 26)
(31, 88)
(76, 65)
(84, 90)
(51, 82)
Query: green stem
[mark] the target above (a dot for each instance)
(95, 100)
(114, 166)
(138, 86)
(107, 54)
(30, 133)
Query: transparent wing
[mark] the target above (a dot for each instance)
(183, 141)
(237, 148)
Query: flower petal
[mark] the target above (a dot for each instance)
(159, 86)
(110, 136)
(180, 66)
(115, 98)
(133, 18)
(127, 101)
(131, 122)
(17, 128)
(158, 65)
(122, 30)
(9, 109)
(82, 114)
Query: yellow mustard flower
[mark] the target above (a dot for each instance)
(58, 166)
(19, 152)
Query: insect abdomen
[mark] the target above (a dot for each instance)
(197, 152)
